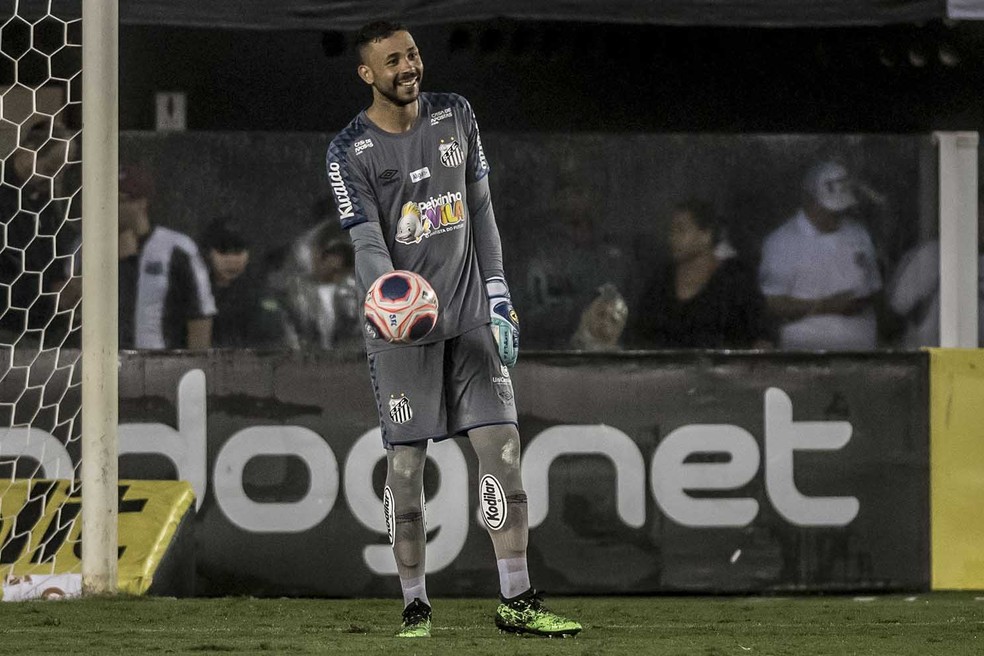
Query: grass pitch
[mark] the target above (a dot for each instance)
(950, 623)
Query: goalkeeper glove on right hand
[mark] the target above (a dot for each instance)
(505, 321)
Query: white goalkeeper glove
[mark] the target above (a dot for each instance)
(505, 322)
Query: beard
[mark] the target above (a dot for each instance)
(398, 95)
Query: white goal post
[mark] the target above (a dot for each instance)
(100, 281)
(958, 238)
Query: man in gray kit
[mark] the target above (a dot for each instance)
(411, 186)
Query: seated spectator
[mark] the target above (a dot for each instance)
(602, 322)
(705, 297)
(37, 241)
(165, 299)
(246, 316)
(819, 271)
(570, 258)
(914, 291)
(324, 305)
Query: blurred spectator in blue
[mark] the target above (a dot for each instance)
(246, 316)
(706, 297)
(819, 271)
(914, 291)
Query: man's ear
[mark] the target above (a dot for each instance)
(365, 73)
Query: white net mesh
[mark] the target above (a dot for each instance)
(40, 202)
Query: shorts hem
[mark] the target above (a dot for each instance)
(462, 432)
(459, 433)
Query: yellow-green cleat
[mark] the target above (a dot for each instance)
(416, 621)
(527, 614)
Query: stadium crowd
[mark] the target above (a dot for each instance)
(818, 281)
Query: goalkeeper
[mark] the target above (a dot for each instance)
(411, 185)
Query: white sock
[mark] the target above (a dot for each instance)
(414, 589)
(514, 576)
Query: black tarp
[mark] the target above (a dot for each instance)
(350, 14)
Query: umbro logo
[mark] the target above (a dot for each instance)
(388, 174)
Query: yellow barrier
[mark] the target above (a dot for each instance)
(40, 529)
(957, 468)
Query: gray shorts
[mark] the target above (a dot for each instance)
(441, 390)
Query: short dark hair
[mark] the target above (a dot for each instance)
(702, 213)
(375, 31)
(224, 235)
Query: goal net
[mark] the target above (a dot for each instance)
(40, 354)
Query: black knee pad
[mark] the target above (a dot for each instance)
(409, 539)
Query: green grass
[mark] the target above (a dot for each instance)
(939, 623)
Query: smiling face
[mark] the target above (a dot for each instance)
(393, 67)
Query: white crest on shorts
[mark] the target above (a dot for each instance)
(388, 512)
(400, 410)
(492, 501)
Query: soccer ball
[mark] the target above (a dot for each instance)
(401, 307)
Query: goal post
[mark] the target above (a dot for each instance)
(100, 282)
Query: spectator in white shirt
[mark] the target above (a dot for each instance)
(819, 271)
(914, 292)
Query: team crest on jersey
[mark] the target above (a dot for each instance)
(451, 154)
(400, 411)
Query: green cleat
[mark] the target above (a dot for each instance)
(416, 621)
(527, 614)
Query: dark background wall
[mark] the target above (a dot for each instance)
(548, 76)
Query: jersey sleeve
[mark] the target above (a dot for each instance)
(353, 195)
(488, 245)
(190, 281)
(478, 166)
(372, 258)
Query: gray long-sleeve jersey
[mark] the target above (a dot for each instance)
(420, 201)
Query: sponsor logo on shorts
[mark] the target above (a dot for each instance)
(492, 501)
(388, 512)
(400, 411)
(420, 174)
(451, 154)
(503, 386)
(362, 145)
(439, 116)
